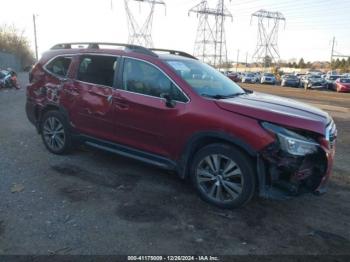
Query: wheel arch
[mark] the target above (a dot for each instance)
(40, 112)
(201, 139)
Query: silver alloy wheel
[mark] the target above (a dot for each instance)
(219, 177)
(53, 133)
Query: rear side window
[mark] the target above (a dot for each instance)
(143, 78)
(98, 70)
(59, 66)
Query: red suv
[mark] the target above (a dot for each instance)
(168, 109)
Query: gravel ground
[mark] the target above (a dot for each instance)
(92, 202)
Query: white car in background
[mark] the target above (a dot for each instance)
(268, 78)
(249, 78)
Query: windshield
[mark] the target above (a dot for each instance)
(345, 80)
(269, 75)
(315, 76)
(334, 77)
(204, 79)
(291, 77)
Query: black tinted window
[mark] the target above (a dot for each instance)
(141, 77)
(97, 69)
(59, 66)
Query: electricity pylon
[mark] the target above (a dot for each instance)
(140, 31)
(267, 44)
(210, 43)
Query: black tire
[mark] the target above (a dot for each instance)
(244, 187)
(60, 137)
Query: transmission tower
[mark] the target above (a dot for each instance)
(210, 43)
(140, 30)
(268, 27)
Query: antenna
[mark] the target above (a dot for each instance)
(140, 32)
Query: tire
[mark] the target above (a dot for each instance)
(231, 184)
(55, 133)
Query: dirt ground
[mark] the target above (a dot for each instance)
(92, 202)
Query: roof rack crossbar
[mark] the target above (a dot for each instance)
(174, 52)
(96, 45)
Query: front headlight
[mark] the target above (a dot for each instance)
(292, 142)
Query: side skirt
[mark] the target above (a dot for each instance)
(149, 158)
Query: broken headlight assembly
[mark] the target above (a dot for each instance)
(292, 142)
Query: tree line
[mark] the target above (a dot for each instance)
(13, 41)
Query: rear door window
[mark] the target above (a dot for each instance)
(96, 69)
(59, 66)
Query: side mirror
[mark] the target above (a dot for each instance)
(168, 101)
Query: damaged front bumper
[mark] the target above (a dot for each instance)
(282, 173)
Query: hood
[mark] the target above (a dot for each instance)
(278, 110)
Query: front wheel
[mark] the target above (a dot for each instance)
(223, 176)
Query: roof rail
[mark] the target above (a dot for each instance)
(96, 45)
(174, 52)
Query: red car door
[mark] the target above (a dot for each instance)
(89, 96)
(142, 118)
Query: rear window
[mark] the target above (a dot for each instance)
(345, 80)
(59, 66)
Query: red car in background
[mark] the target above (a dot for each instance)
(234, 77)
(342, 85)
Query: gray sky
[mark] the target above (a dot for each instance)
(310, 25)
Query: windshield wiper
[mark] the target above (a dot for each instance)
(222, 96)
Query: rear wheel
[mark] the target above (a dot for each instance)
(55, 133)
(223, 176)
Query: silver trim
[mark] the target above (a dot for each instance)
(171, 80)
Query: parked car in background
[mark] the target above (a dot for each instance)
(234, 76)
(330, 79)
(168, 109)
(290, 80)
(258, 76)
(268, 78)
(249, 78)
(342, 85)
(315, 81)
(3, 74)
(8, 79)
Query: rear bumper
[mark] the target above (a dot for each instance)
(31, 112)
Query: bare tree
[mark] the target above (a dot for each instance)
(12, 40)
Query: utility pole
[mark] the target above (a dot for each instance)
(35, 38)
(246, 60)
(332, 51)
(237, 60)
